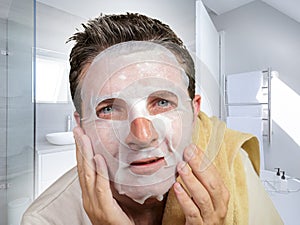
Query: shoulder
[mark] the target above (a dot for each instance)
(57, 203)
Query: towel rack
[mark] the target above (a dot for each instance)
(266, 105)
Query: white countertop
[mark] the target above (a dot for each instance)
(45, 147)
(287, 203)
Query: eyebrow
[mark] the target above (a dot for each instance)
(103, 98)
(163, 94)
(116, 101)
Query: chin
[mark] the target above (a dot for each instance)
(141, 193)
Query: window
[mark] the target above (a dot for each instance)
(286, 109)
(52, 85)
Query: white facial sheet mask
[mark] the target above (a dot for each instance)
(132, 72)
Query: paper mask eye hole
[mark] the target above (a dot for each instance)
(112, 109)
(161, 101)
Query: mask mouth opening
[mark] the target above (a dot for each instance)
(147, 161)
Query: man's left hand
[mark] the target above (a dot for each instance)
(209, 199)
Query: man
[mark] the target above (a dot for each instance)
(145, 152)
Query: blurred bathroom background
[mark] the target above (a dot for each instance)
(230, 39)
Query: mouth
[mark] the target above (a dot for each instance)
(147, 166)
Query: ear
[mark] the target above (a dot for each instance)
(77, 118)
(196, 105)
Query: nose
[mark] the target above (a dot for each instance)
(142, 134)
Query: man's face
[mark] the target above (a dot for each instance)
(140, 119)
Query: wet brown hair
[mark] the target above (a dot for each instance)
(105, 31)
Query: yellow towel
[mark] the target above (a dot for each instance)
(222, 145)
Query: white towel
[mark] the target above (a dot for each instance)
(252, 125)
(246, 110)
(245, 87)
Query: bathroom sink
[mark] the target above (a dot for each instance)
(61, 138)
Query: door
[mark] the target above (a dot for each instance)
(207, 62)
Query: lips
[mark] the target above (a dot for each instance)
(147, 166)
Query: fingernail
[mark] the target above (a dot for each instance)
(178, 187)
(183, 168)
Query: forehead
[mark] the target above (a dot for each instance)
(147, 74)
(125, 63)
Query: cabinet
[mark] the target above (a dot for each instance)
(51, 163)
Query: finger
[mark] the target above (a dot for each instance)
(77, 132)
(84, 145)
(209, 177)
(198, 192)
(190, 210)
(86, 164)
(79, 158)
(102, 187)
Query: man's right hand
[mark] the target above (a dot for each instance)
(98, 201)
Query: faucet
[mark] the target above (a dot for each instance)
(69, 123)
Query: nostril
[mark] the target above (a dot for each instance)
(142, 134)
(133, 146)
(139, 145)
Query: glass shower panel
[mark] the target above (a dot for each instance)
(19, 109)
(3, 76)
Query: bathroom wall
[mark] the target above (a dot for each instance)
(178, 14)
(51, 118)
(258, 36)
(53, 28)
(207, 63)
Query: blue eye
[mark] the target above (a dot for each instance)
(112, 109)
(163, 103)
(107, 110)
